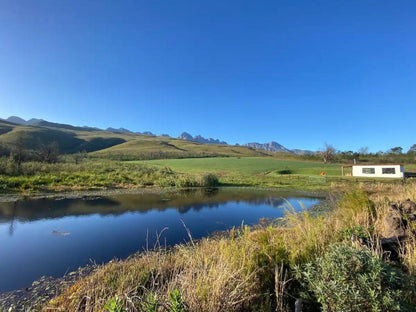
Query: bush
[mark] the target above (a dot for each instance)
(209, 180)
(347, 279)
(285, 171)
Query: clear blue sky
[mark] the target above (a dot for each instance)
(301, 73)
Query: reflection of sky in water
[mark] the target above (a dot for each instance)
(30, 249)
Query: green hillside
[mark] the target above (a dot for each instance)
(68, 140)
(145, 147)
(118, 146)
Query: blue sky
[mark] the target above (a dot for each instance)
(301, 73)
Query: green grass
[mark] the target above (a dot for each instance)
(263, 171)
(190, 172)
(256, 171)
(142, 148)
(247, 166)
(410, 167)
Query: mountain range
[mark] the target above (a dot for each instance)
(200, 139)
(269, 147)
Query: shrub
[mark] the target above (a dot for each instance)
(114, 305)
(176, 301)
(186, 181)
(209, 180)
(347, 279)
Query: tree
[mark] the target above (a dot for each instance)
(79, 157)
(4, 150)
(412, 149)
(363, 150)
(328, 154)
(395, 150)
(48, 153)
(348, 155)
(17, 151)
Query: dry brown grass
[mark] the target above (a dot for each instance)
(213, 275)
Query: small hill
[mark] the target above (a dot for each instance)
(16, 120)
(5, 127)
(44, 123)
(33, 121)
(68, 139)
(145, 147)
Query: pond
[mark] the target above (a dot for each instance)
(52, 237)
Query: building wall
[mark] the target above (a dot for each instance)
(357, 171)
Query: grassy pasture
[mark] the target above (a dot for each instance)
(247, 166)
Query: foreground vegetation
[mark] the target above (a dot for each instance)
(92, 173)
(82, 172)
(333, 261)
(30, 177)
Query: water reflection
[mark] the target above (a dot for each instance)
(51, 237)
(193, 199)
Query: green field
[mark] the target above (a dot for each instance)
(247, 166)
(263, 171)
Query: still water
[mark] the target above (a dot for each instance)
(53, 237)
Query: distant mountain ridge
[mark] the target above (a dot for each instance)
(21, 121)
(124, 130)
(199, 139)
(41, 122)
(271, 147)
(119, 130)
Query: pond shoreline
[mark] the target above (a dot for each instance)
(42, 290)
(4, 198)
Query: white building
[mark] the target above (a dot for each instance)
(375, 170)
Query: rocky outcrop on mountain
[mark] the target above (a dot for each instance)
(199, 139)
(186, 136)
(271, 147)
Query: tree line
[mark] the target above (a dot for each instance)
(329, 154)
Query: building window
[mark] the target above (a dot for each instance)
(369, 170)
(388, 170)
